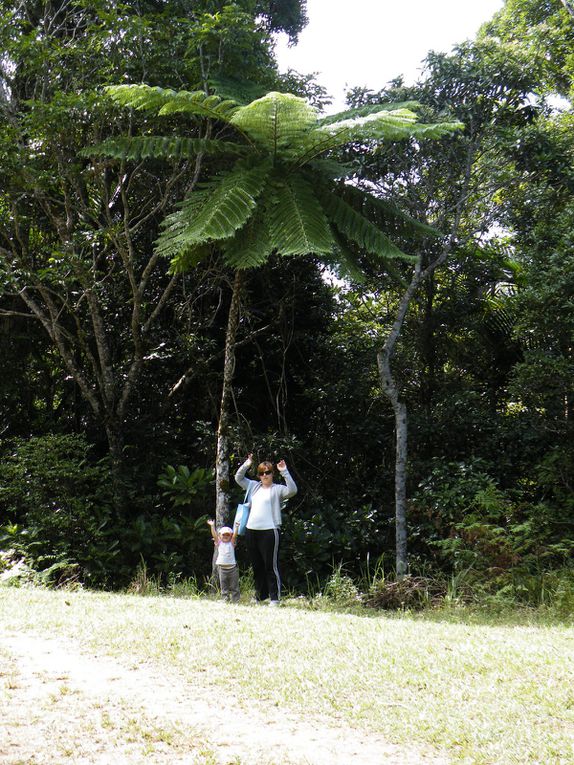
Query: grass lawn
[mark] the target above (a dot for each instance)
(483, 691)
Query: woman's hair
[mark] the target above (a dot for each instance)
(264, 466)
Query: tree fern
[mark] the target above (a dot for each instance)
(297, 221)
(277, 122)
(251, 246)
(364, 111)
(387, 214)
(164, 101)
(383, 125)
(358, 229)
(215, 212)
(162, 147)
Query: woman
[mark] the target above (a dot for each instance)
(263, 527)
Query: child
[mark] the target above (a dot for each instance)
(226, 564)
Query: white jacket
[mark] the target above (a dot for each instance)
(280, 493)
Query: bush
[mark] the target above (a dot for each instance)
(55, 508)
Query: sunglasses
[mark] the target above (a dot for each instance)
(266, 472)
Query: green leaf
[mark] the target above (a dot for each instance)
(364, 111)
(240, 91)
(297, 222)
(216, 212)
(378, 209)
(164, 101)
(161, 147)
(251, 246)
(384, 125)
(358, 229)
(277, 122)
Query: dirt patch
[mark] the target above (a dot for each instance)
(59, 705)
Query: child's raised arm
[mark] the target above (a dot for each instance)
(211, 524)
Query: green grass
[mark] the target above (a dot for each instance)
(482, 690)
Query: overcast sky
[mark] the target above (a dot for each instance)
(369, 42)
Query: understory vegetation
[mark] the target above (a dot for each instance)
(194, 267)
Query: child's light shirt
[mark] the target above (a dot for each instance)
(261, 515)
(225, 554)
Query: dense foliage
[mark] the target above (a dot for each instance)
(114, 364)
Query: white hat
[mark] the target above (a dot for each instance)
(225, 530)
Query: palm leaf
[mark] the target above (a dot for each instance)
(215, 212)
(161, 147)
(297, 222)
(277, 122)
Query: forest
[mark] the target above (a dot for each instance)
(198, 260)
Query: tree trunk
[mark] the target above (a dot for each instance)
(222, 482)
(391, 390)
(401, 430)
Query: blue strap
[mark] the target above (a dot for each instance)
(249, 491)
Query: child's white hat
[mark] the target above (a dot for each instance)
(225, 530)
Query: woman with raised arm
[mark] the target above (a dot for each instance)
(262, 534)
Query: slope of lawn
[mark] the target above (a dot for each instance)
(483, 692)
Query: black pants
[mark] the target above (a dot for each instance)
(263, 549)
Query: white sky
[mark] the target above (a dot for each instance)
(370, 42)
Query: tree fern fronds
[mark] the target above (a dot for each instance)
(364, 111)
(358, 229)
(387, 212)
(437, 130)
(189, 257)
(383, 125)
(297, 222)
(345, 262)
(214, 213)
(240, 91)
(164, 101)
(161, 147)
(331, 169)
(250, 247)
(276, 122)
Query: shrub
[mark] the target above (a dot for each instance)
(55, 508)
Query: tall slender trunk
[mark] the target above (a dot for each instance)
(391, 390)
(222, 482)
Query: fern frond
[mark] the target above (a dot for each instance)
(164, 101)
(250, 247)
(382, 211)
(364, 111)
(384, 125)
(330, 169)
(161, 147)
(354, 226)
(188, 258)
(277, 122)
(345, 262)
(240, 91)
(297, 222)
(214, 213)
